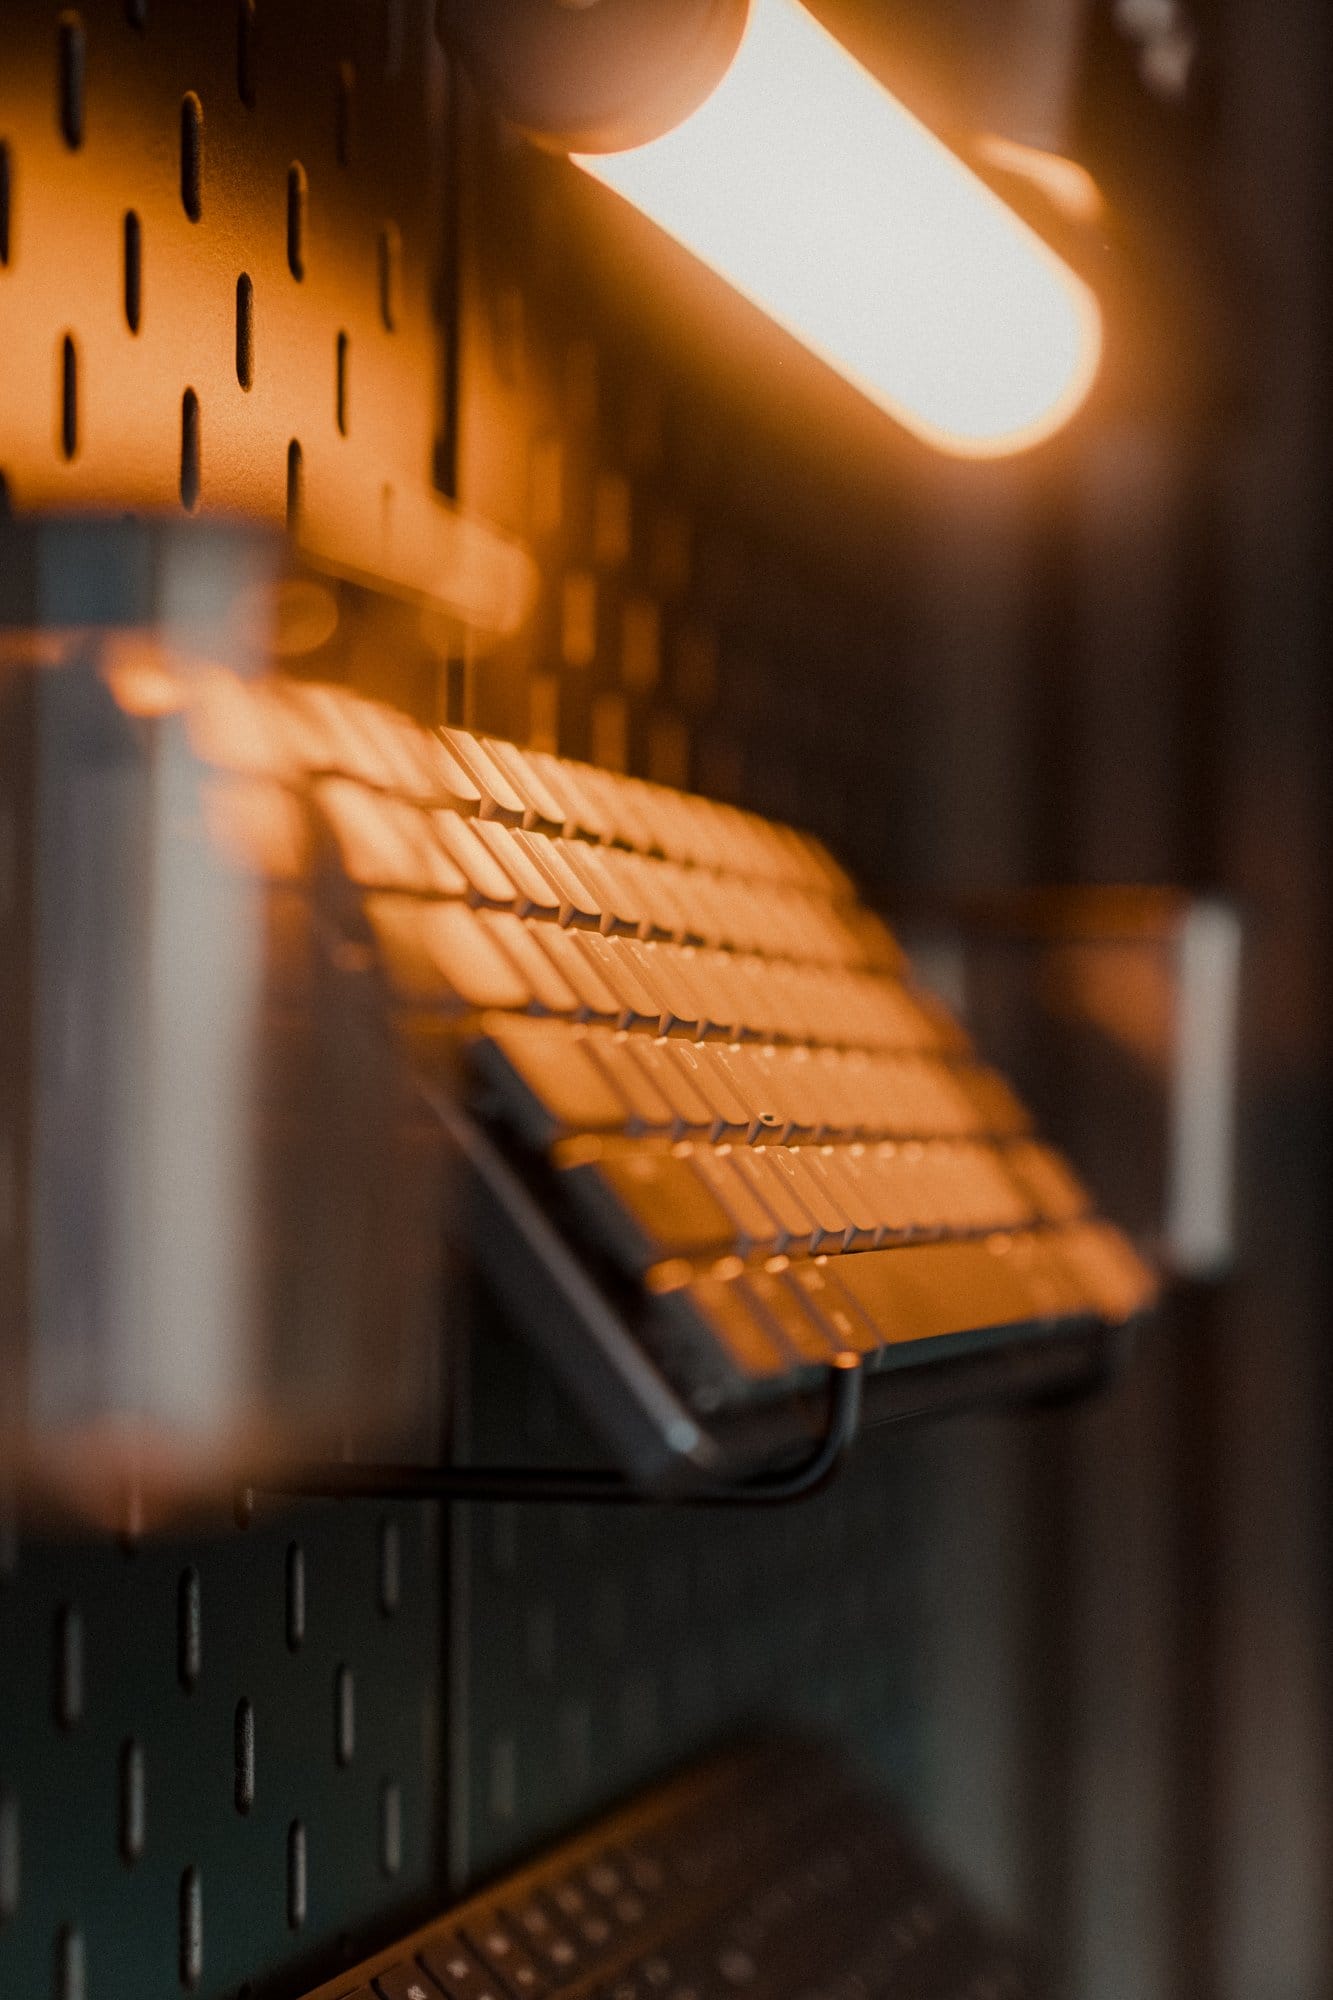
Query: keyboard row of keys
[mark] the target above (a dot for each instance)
(390, 844)
(702, 1202)
(291, 729)
(740, 1330)
(432, 952)
(548, 1081)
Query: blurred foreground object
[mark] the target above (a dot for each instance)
(219, 1202)
(1115, 1010)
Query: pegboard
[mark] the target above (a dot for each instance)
(219, 1754)
(594, 1648)
(220, 263)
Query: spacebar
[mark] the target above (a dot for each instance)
(929, 1290)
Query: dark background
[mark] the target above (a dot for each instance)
(1090, 1648)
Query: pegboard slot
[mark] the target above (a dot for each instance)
(192, 156)
(71, 1965)
(295, 1597)
(133, 271)
(245, 331)
(191, 1953)
(244, 1749)
(295, 483)
(133, 1802)
(69, 397)
(11, 1855)
(190, 451)
(340, 384)
(391, 1828)
(390, 267)
(345, 116)
(247, 52)
(71, 48)
(344, 1716)
(189, 1630)
(298, 196)
(297, 1879)
(69, 1667)
(391, 1567)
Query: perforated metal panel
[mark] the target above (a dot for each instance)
(596, 1647)
(218, 1754)
(219, 262)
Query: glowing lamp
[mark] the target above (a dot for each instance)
(798, 178)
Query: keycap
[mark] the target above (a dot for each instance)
(544, 1080)
(816, 1279)
(405, 1982)
(787, 1316)
(710, 1339)
(451, 783)
(533, 893)
(497, 1947)
(545, 811)
(577, 903)
(794, 1223)
(617, 1055)
(489, 884)
(662, 1061)
(644, 1207)
(639, 1006)
(596, 1000)
(930, 1290)
(499, 800)
(711, 1079)
(438, 953)
(1053, 1186)
(754, 1226)
(456, 1972)
(549, 989)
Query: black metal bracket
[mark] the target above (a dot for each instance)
(682, 1466)
(559, 1487)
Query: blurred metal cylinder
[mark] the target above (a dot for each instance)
(219, 1191)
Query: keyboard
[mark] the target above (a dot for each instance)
(703, 1059)
(766, 1874)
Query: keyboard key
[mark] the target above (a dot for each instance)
(845, 1323)
(670, 1072)
(732, 1117)
(457, 1973)
(596, 1000)
(575, 902)
(520, 942)
(488, 883)
(544, 1080)
(785, 1313)
(435, 953)
(533, 893)
(755, 1229)
(499, 800)
(931, 1290)
(643, 1207)
(760, 1167)
(545, 812)
(639, 1006)
(405, 1982)
(710, 1338)
(618, 1055)
(497, 1947)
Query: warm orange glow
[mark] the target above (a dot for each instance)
(1064, 182)
(816, 194)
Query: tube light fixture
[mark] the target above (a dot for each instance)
(812, 190)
